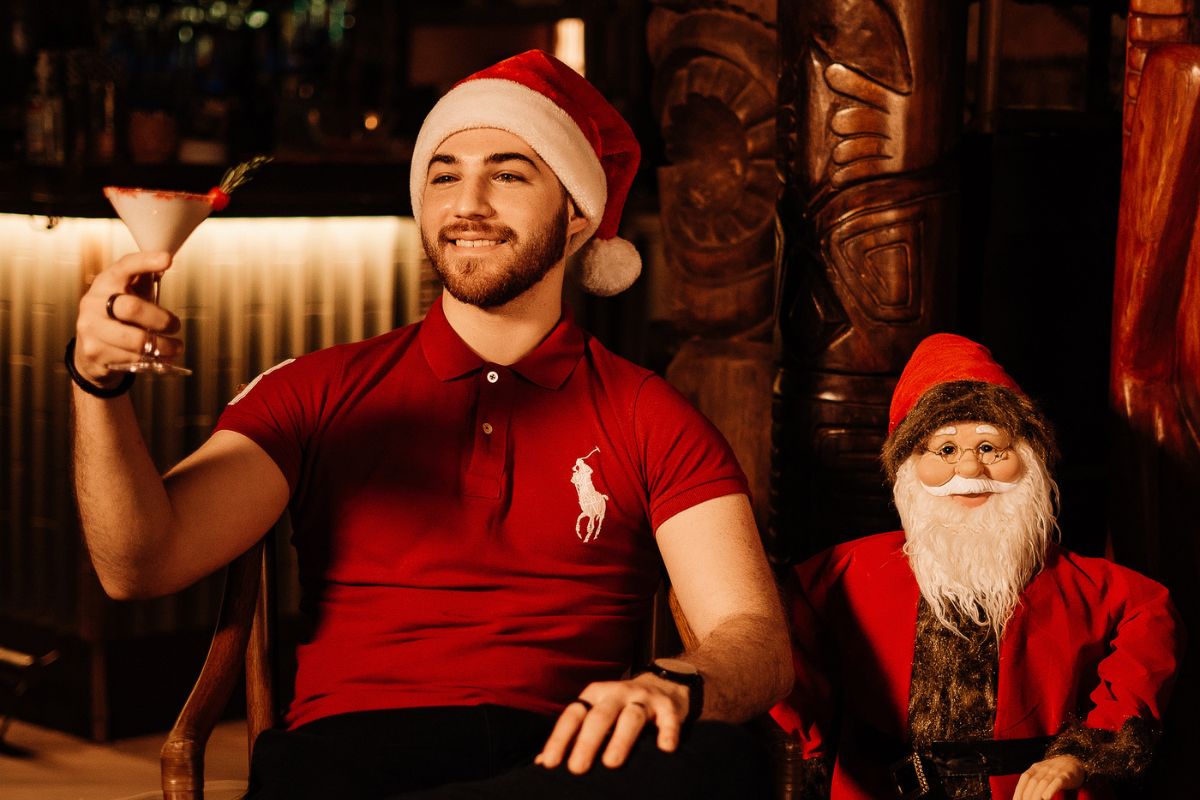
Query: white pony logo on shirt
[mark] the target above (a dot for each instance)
(591, 502)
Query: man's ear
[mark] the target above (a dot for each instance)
(575, 220)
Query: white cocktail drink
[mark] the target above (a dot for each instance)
(160, 221)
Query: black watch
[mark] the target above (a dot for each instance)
(685, 674)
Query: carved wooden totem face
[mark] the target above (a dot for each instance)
(876, 112)
(715, 91)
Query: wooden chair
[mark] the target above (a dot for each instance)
(246, 627)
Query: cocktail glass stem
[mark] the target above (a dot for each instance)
(150, 348)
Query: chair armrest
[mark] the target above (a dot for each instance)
(182, 755)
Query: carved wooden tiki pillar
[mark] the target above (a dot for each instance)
(870, 101)
(714, 89)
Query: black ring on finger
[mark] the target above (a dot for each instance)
(586, 705)
(108, 307)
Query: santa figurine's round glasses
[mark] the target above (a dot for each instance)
(985, 452)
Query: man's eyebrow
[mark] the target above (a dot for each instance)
(500, 158)
(494, 158)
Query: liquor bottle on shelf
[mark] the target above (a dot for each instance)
(44, 134)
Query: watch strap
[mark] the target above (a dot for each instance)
(693, 681)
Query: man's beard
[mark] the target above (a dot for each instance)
(477, 283)
(977, 561)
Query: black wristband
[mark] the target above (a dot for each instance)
(89, 387)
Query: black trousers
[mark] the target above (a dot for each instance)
(474, 752)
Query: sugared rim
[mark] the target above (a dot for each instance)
(165, 194)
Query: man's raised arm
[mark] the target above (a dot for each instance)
(150, 535)
(724, 586)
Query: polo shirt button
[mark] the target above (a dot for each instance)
(487, 428)
(493, 376)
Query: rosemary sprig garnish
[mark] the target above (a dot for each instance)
(243, 172)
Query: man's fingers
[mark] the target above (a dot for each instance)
(669, 722)
(564, 731)
(133, 310)
(629, 725)
(118, 344)
(121, 274)
(596, 726)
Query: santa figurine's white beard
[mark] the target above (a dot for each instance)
(977, 560)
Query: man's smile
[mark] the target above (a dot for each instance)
(477, 242)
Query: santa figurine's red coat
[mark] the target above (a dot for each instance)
(1090, 645)
(1091, 640)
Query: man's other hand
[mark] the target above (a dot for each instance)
(1046, 779)
(618, 712)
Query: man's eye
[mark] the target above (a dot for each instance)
(948, 449)
(509, 177)
(985, 447)
(441, 179)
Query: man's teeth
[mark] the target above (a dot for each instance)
(476, 242)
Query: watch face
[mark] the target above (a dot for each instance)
(676, 665)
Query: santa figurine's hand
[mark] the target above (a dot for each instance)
(1045, 780)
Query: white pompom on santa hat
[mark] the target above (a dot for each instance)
(570, 125)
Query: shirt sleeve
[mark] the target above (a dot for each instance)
(686, 459)
(281, 408)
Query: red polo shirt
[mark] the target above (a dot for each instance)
(469, 532)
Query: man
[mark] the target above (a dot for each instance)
(968, 655)
(480, 501)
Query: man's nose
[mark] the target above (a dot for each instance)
(968, 464)
(473, 200)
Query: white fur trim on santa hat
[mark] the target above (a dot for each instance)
(609, 266)
(550, 131)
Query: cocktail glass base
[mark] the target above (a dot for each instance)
(157, 367)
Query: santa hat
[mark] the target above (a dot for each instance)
(570, 125)
(953, 379)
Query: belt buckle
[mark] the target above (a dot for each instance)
(909, 778)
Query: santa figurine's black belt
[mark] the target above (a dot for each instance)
(919, 773)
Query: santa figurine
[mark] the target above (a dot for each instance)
(969, 655)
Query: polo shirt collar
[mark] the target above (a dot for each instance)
(549, 365)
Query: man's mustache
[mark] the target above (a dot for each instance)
(459, 230)
(962, 485)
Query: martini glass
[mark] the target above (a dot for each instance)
(160, 221)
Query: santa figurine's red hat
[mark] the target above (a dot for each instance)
(570, 125)
(949, 379)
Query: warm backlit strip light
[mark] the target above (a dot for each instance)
(374, 258)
